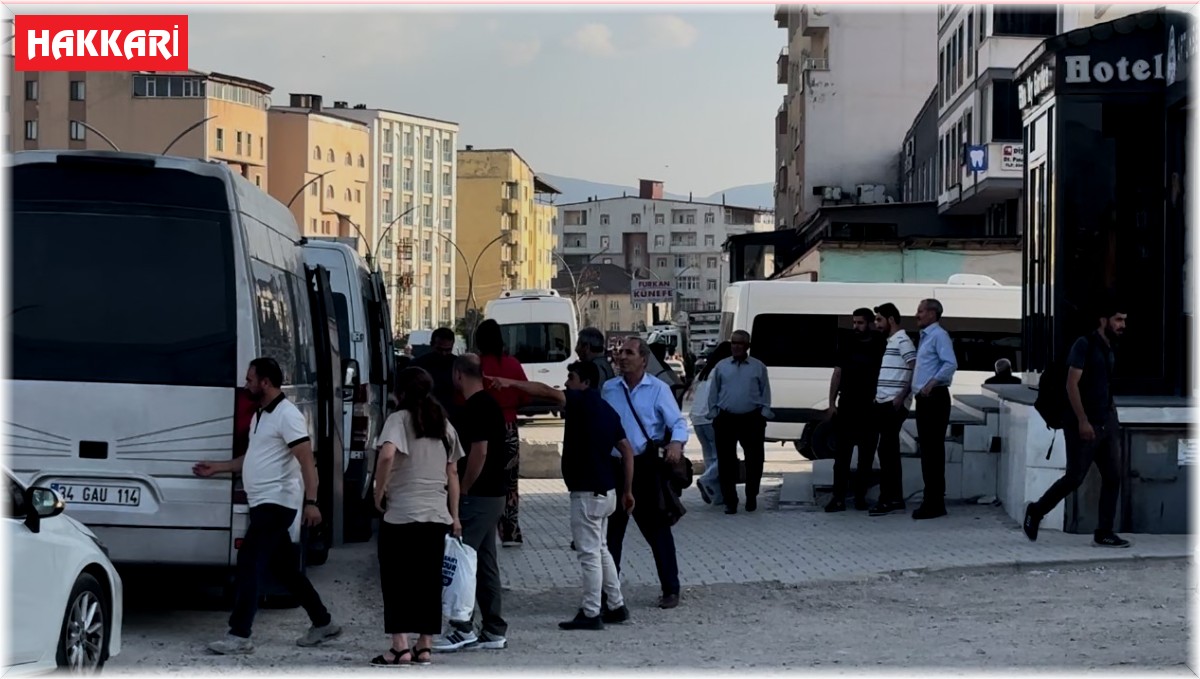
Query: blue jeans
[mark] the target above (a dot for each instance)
(710, 477)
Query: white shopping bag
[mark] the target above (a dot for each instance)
(458, 580)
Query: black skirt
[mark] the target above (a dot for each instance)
(410, 573)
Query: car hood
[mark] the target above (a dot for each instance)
(80, 527)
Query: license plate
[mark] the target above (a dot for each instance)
(96, 494)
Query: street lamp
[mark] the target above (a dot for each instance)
(306, 185)
(181, 135)
(371, 261)
(574, 280)
(471, 271)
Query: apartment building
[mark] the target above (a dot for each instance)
(602, 299)
(330, 153)
(980, 149)
(652, 237)
(505, 227)
(855, 78)
(142, 112)
(411, 212)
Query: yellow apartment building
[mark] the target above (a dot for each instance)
(500, 197)
(142, 112)
(310, 143)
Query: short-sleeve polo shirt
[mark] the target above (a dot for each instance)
(271, 473)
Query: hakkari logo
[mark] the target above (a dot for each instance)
(93, 42)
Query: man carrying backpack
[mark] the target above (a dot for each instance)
(1090, 427)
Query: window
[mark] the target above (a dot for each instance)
(314, 190)
(408, 143)
(348, 195)
(427, 148)
(78, 131)
(426, 249)
(249, 144)
(446, 183)
(635, 219)
(447, 150)
(608, 260)
(408, 218)
(362, 161)
(710, 284)
(258, 180)
(711, 262)
(614, 326)
(662, 262)
(317, 153)
(183, 334)
(614, 305)
(349, 159)
(710, 218)
(220, 139)
(314, 225)
(386, 176)
(329, 192)
(427, 214)
(239, 143)
(690, 218)
(710, 240)
(387, 210)
(603, 219)
(594, 304)
(31, 130)
(78, 90)
(447, 214)
(262, 148)
(538, 342)
(358, 195)
(659, 219)
(660, 241)
(329, 157)
(427, 181)
(604, 242)
(31, 90)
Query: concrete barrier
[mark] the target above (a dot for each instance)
(541, 460)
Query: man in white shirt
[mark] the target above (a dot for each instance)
(893, 397)
(279, 477)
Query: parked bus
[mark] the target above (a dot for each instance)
(142, 287)
(796, 327)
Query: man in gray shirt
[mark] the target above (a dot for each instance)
(739, 404)
(590, 348)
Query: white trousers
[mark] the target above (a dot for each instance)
(589, 528)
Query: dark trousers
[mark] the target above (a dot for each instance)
(479, 516)
(410, 575)
(747, 429)
(510, 525)
(649, 518)
(933, 416)
(267, 549)
(855, 429)
(888, 421)
(1105, 452)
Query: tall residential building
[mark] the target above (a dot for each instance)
(318, 145)
(981, 157)
(142, 112)
(411, 213)
(855, 78)
(652, 237)
(505, 223)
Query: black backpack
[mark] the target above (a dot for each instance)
(1051, 402)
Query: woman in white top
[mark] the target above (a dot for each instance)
(709, 483)
(416, 489)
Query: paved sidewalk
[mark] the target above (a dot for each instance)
(794, 547)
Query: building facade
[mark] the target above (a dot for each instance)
(601, 293)
(652, 237)
(855, 78)
(142, 112)
(981, 154)
(505, 227)
(411, 213)
(329, 152)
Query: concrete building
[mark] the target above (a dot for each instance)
(142, 112)
(309, 142)
(411, 212)
(505, 227)
(855, 78)
(601, 293)
(652, 237)
(981, 154)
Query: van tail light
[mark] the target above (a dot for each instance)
(237, 543)
(244, 408)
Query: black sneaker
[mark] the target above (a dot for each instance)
(835, 506)
(1111, 540)
(582, 621)
(926, 512)
(751, 504)
(860, 504)
(1031, 524)
(885, 508)
(615, 617)
(731, 509)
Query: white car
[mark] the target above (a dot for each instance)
(66, 598)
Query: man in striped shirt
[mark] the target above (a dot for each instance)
(893, 396)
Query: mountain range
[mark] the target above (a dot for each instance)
(579, 190)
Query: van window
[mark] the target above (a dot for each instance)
(812, 340)
(373, 313)
(285, 331)
(341, 307)
(118, 276)
(538, 342)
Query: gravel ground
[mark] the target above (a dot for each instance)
(1116, 616)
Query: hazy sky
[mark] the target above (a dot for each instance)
(682, 94)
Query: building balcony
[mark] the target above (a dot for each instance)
(1004, 52)
(815, 64)
(782, 66)
(509, 205)
(813, 20)
(781, 16)
(1000, 178)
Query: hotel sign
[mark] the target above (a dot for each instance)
(1083, 69)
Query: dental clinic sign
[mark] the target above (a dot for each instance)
(96, 42)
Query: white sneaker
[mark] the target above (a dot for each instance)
(317, 635)
(232, 645)
(491, 642)
(454, 640)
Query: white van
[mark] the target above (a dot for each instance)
(364, 334)
(795, 327)
(142, 287)
(539, 329)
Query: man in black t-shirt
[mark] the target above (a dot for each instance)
(483, 482)
(1091, 430)
(851, 400)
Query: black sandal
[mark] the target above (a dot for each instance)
(427, 652)
(396, 661)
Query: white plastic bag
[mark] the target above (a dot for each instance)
(458, 580)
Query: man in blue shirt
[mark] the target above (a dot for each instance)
(739, 403)
(934, 373)
(592, 430)
(651, 420)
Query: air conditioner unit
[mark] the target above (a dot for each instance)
(831, 192)
(870, 194)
